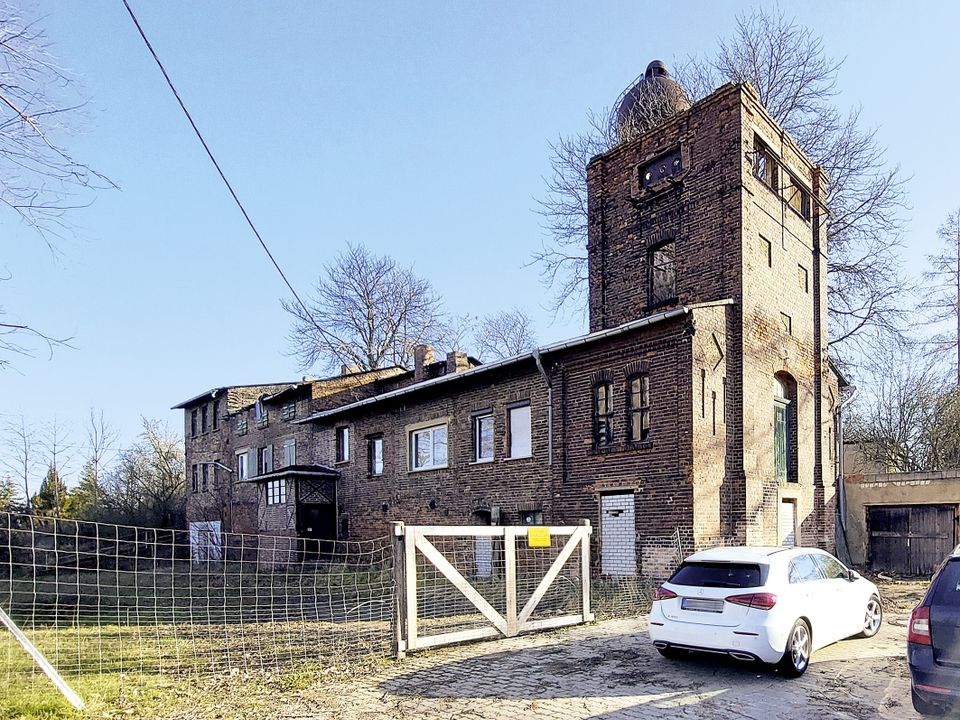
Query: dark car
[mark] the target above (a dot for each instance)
(933, 643)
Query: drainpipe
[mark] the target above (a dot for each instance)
(546, 380)
(841, 483)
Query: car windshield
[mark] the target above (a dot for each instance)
(717, 574)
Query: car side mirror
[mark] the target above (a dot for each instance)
(853, 576)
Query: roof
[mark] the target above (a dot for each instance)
(841, 378)
(309, 471)
(516, 360)
(212, 393)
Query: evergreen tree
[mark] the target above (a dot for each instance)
(52, 496)
(10, 499)
(86, 501)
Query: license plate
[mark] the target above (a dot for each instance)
(702, 605)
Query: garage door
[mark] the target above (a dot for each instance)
(910, 540)
(618, 532)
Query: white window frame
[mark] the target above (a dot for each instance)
(478, 420)
(341, 443)
(430, 432)
(376, 463)
(275, 492)
(517, 448)
(289, 452)
(243, 469)
(265, 460)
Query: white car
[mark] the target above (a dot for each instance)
(773, 604)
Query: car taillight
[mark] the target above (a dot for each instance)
(759, 601)
(663, 594)
(919, 629)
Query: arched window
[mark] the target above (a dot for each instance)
(784, 428)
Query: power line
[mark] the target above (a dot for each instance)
(223, 177)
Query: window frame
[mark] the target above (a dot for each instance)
(216, 414)
(602, 421)
(265, 459)
(204, 476)
(193, 422)
(373, 442)
(655, 299)
(290, 442)
(640, 410)
(478, 421)
(513, 449)
(412, 445)
(341, 444)
(275, 492)
(194, 479)
(243, 464)
(204, 418)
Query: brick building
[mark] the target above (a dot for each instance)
(699, 408)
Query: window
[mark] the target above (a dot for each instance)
(288, 411)
(204, 418)
(531, 517)
(767, 249)
(718, 575)
(787, 322)
(483, 437)
(804, 568)
(265, 459)
(602, 415)
(259, 413)
(803, 278)
(205, 476)
(216, 414)
(428, 448)
(289, 452)
(241, 426)
(343, 444)
(639, 407)
(276, 492)
(795, 196)
(242, 465)
(375, 454)
(831, 567)
(193, 423)
(764, 165)
(519, 428)
(784, 430)
(194, 482)
(663, 274)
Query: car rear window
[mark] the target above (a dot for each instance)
(715, 574)
(947, 590)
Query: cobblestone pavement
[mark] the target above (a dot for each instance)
(609, 670)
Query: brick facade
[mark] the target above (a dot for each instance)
(706, 285)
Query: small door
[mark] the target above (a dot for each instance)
(318, 528)
(787, 524)
(618, 548)
(483, 546)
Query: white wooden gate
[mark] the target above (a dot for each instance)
(408, 540)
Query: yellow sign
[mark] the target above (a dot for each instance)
(538, 537)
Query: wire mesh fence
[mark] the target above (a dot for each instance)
(97, 598)
(101, 600)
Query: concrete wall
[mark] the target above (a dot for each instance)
(920, 488)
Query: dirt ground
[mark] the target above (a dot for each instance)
(609, 670)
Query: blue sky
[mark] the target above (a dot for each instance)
(418, 129)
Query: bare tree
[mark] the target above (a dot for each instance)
(504, 334)
(942, 302)
(147, 486)
(87, 499)
(909, 419)
(22, 457)
(796, 81)
(366, 311)
(40, 181)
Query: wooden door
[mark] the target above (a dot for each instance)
(911, 540)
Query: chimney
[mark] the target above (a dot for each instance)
(349, 369)
(457, 362)
(422, 356)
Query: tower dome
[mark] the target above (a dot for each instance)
(650, 101)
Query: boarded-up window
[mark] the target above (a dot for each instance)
(520, 441)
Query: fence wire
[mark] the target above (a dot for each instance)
(98, 598)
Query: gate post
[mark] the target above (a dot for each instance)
(586, 531)
(510, 579)
(398, 616)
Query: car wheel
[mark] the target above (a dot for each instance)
(873, 617)
(796, 657)
(925, 707)
(673, 653)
